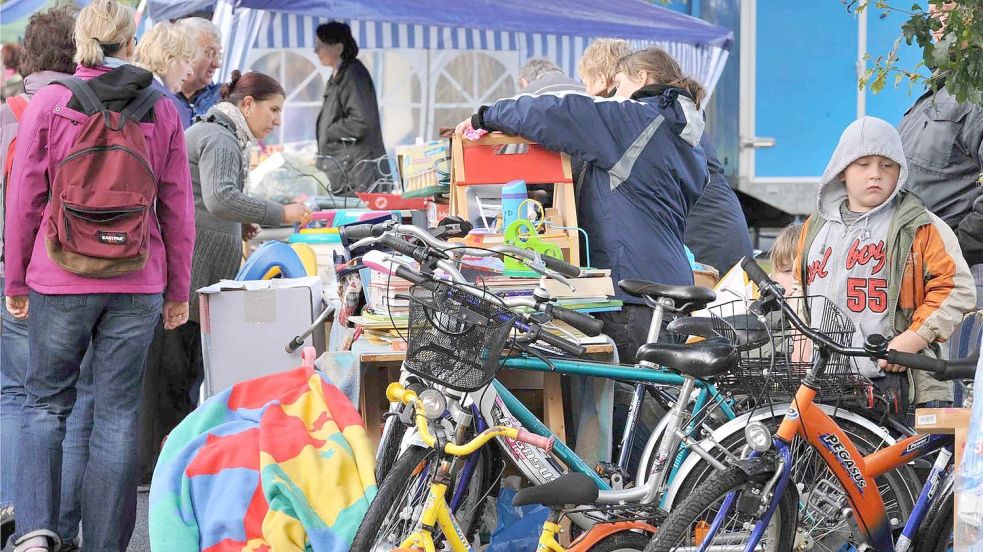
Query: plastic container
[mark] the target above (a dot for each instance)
(513, 194)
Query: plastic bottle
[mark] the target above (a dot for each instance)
(513, 194)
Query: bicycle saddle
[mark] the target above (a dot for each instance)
(701, 359)
(743, 330)
(686, 298)
(571, 488)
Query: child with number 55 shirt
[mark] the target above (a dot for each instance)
(878, 254)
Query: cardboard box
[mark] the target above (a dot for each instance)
(245, 327)
(418, 160)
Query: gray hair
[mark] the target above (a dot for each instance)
(537, 68)
(198, 27)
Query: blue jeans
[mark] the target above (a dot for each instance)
(14, 355)
(120, 327)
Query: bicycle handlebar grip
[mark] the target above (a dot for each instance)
(409, 275)
(917, 362)
(356, 232)
(294, 344)
(754, 271)
(398, 245)
(561, 266)
(583, 322)
(561, 344)
(958, 372)
(545, 443)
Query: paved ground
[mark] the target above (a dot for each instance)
(141, 539)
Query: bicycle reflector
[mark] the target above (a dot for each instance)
(434, 403)
(758, 436)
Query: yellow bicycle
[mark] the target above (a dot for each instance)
(572, 489)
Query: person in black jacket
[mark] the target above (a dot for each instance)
(349, 138)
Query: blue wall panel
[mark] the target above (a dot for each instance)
(806, 83)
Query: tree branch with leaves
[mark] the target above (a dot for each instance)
(950, 35)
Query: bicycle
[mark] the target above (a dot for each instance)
(496, 402)
(735, 509)
(497, 406)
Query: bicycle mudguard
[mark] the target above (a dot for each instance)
(603, 530)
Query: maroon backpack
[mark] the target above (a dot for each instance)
(104, 191)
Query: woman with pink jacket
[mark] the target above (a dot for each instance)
(67, 308)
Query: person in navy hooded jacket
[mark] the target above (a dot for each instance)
(644, 170)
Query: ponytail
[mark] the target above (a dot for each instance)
(663, 69)
(103, 28)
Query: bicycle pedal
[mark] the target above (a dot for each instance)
(613, 473)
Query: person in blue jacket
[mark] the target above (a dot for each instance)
(644, 170)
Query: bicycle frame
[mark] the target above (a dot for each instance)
(500, 407)
(855, 473)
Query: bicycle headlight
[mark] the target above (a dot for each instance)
(758, 436)
(434, 403)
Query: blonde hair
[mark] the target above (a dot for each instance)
(663, 68)
(163, 45)
(783, 251)
(104, 27)
(601, 58)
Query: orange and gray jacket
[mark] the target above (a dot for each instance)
(930, 287)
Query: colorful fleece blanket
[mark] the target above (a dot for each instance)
(274, 464)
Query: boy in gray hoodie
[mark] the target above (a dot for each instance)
(879, 255)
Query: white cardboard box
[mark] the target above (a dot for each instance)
(245, 327)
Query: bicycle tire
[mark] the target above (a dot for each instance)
(392, 438)
(625, 541)
(677, 526)
(900, 487)
(935, 534)
(407, 477)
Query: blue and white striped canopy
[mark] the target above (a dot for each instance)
(700, 48)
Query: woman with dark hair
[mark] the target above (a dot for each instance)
(348, 133)
(218, 151)
(47, 55)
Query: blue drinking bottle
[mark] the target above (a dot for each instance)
(513, 194)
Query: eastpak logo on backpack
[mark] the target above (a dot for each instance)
(104, 191)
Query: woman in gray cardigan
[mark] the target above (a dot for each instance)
(224, 216)
(218, 152)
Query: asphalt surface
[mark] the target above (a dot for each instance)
(141, 536)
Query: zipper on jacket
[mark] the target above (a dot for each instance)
(109, 148)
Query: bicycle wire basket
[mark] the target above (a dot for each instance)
(455, 338)
(775, 356)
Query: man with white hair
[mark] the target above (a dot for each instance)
(199, 93)
(542, 76)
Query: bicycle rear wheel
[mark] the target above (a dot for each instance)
(689, 522)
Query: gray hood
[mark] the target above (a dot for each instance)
(865, 136)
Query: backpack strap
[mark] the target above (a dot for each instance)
(84, 93)
(138, 108)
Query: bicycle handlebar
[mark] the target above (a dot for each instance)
(396, 392)
(876, 345)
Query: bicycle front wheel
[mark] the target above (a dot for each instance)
(688, 526)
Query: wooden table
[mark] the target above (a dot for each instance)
(379, 369)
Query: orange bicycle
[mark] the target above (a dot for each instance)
(736, 509)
